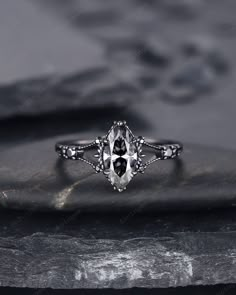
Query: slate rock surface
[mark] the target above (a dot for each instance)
(32, 177)
(69, 251)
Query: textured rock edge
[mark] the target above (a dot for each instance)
(61, 261)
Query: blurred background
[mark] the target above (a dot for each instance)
(166, 67)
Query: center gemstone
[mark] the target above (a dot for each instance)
(120, 156)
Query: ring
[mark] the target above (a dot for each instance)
(119, 154)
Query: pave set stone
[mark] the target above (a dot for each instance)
(120, 156)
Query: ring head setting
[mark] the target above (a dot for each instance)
(120, 155)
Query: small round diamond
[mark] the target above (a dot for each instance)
(168, 152)
(70, 153)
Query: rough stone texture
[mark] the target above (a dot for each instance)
(119, 251)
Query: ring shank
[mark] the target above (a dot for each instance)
(75, 149)
(162, 149)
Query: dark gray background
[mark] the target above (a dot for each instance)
(141, 50)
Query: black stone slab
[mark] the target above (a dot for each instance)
(32, 177)
(68, 251)
(229, 289)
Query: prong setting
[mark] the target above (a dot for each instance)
(132, 147)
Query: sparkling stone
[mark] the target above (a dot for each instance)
(120, 156)
(70, 153)
(168, 152)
